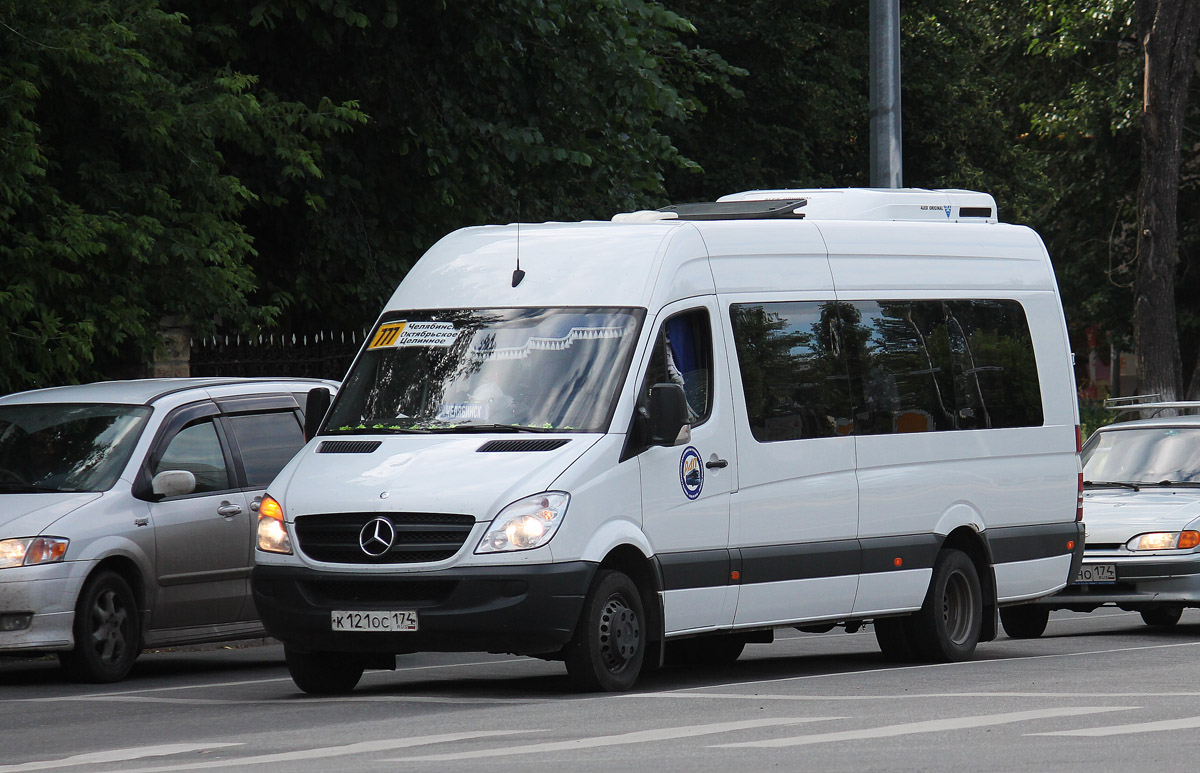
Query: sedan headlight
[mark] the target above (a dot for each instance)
(29, 551)
(525, 524)
(1165, 540)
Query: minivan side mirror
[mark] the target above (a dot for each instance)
(315, 408)
(667, 415)
(173, 483)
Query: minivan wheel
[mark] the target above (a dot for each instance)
(1162, 617)
(323, 673)
(609, 645)
(946, 629)
(1024, 622)
(107, 631)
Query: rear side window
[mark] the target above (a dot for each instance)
(819, 369)
(267, 442)
(792, 374)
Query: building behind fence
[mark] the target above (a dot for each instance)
(323, 355)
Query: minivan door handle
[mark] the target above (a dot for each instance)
(717, 464)
(228, 510)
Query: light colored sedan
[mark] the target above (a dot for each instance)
(1141, 507)
(127, 511)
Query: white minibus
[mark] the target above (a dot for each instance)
(653, 440)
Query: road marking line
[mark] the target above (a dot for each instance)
(274, 701)
(928, 726)
(325, 752)
(620, 739)
(114, 755)
(1187, 723)
(909, 696)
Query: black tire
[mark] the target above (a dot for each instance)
(323, 673)
(107, 631)
(705, 651)
(609, 645)
(1024, 622)
(946, 629)
(1162, 617)
(895, 640)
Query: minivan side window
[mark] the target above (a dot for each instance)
(198, 450)
(682, 355)
(267, 442)
(793, 376)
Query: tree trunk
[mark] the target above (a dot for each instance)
(1168, 30)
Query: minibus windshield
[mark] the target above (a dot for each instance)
(489, 370)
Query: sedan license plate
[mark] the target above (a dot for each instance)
(1096, 574)
(386, 622)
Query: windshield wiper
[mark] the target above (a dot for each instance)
(1175, 484)
(1113, 483)
(27, 488)
(492, 428)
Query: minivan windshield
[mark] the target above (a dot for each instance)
(489, 370)
(1152, 455)
(66, 447)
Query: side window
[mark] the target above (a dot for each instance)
(899, 362)
(198, 450)
(792, 371)
(683, 355)
(267, 442)
(995, 373)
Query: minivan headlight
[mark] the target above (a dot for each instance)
(525, 524)
(272, 536)
(29, 551)
(1165, 540)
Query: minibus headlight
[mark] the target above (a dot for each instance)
(525, 524)
(1165, 540)
(30, 551)
(272, 533)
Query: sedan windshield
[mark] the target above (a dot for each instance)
(60, 447)
(493, 370)
(1144, 456)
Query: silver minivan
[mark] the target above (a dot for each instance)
(127, 510)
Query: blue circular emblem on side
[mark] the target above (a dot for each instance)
(691, 473)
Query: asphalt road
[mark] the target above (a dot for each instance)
(1098, 692)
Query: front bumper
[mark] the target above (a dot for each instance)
(526, 610)
(1142, 581)
(48, 592)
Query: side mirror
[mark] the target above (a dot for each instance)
(315, 408)
(173, 483)
(667, 412)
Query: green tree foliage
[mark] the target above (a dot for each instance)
(117, 202)
(481, 112)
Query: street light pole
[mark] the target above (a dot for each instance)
(887, 167)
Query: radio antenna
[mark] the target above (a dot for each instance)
(518, 274)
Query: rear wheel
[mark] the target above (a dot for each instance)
(609, 645)
(107, 631)
(323, 673)
(1024, 622)
(895, 640)
(946, 629)
(1162, 617)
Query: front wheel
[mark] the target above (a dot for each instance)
(946, 629)
(1162, 617)
(323, 673)
(107, 631)
(609, 645)
(1024, 622)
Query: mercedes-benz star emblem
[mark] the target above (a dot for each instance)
(377, 536)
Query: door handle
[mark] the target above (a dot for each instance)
(717, 464)
(228, 510)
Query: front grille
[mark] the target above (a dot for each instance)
(415, 593)
(419, 537)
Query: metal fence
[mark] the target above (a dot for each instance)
(322, 355)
